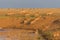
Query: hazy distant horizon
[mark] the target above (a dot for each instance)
(29, 3)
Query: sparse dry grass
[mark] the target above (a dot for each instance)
(34, 18)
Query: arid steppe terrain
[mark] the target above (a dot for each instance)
(30, 24)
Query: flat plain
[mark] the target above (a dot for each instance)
(30, 24)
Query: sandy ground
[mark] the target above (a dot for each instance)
(47, 20)
(17, 34)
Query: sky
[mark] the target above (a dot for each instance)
(29, 3)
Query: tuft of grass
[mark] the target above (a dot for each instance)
(43, 15)
(28, 23)
(22, 22)
(47, 35)
(32, 16)
(4, 16)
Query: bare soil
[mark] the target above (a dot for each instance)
(46, 21)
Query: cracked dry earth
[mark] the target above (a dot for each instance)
(30, 24)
